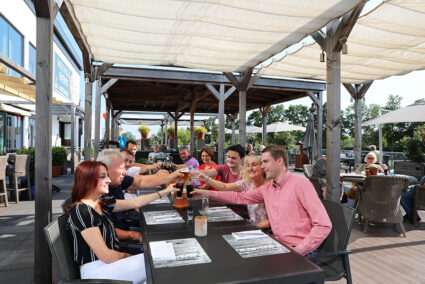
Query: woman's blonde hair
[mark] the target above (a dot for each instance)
(375, 159)
(250, 158)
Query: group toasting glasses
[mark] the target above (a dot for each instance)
(186, 183)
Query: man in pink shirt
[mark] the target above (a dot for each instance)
(296, 214)
(228, 172)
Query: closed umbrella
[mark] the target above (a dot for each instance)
(309, 146)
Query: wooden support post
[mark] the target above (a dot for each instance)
(331, 42)
(43, 139)
(221, 96)
(264, 111)
(319, 125)
(107, 125)
(232, 118)
(112, 123)
(72, 136)
(87, 118)
(192, 118)
(97, 118)
(358, 92)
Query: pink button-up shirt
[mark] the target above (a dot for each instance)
(296, 214)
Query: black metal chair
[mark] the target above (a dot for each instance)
(60, 248)
(332, 254)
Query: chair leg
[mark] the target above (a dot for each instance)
(366, 223)
(403, 231)
(346, 263)
(415, 217)
(16, 189)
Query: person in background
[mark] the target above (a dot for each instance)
(253, 176)
(372, 148)
(153, 154)
(207, 154)
(132, 146)
(161, 155)
(189, 161)
(249, 150)
(260, 149)
(133, 168)
(370, 159)
(319, 171)
(115, 161)
(95, 243)
(296, 214)
(407, 201)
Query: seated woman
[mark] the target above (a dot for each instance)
(252, 177)
(207, 154)
(370, 159)
(95, 242)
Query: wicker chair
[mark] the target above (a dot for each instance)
(379, 200)
(3, 191)
(21, 169)
(418, 202)
(332, 254)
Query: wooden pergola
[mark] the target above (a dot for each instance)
(253, 92)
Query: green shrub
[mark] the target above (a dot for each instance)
(58, 156)
(414, 147)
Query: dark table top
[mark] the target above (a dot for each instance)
(227, 265)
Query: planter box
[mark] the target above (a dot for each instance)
(409, 168)
(56, 171)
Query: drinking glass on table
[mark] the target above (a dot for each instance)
(201, 226)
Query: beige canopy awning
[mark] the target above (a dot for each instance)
(389, 40)
(214, 35)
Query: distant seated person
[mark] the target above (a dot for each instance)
(370, 159)
(249, 150)
(152, 155)
(372, 148)
(260, 149)
(161, 155)
(253, 176)
(189, 161)
(350, 154)
(132, 146)
(136, 168)
(407, 201)
(207, 155)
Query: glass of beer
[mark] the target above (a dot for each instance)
(189, 189)
(179, 185)
(201, 228)
(185, 172)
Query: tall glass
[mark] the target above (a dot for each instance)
(186, 176)
(201, 226)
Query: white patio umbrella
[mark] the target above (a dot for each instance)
(249, 129)
(283, 126)
(412, 113)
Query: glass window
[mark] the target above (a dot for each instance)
(11, 44)
(31, 59)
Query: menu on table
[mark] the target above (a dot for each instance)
(220, 214)
(254, 243)
(178, 252)
(162, 217)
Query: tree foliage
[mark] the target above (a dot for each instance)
(128, 135)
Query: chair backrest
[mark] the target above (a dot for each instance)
(65, 204)
(342, 218)
(308, 170)
(380, 197)
(60, 247)
(3, 164)
(21, 165)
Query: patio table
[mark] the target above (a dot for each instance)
(226, 265)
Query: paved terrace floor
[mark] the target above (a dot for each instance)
(379, 256)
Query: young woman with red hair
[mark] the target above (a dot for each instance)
(94, 239)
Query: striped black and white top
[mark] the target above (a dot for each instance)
(83, 216)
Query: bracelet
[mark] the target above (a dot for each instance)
(159, 194)
(208, 179)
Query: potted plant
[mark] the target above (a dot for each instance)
(58, 159)
(171, 132)
(414, 149)
(373, 169)
(144, 131)
(200, 132)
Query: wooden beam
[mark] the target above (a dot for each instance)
(67, 13)
(100, 70)
(56, 7)
(107, 85)
(43, 143)
(15, 67)
(347, 24)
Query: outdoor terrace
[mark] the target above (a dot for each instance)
(379, 256)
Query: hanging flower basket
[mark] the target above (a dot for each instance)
(144, 131)
(171, 132)
(200, 132)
